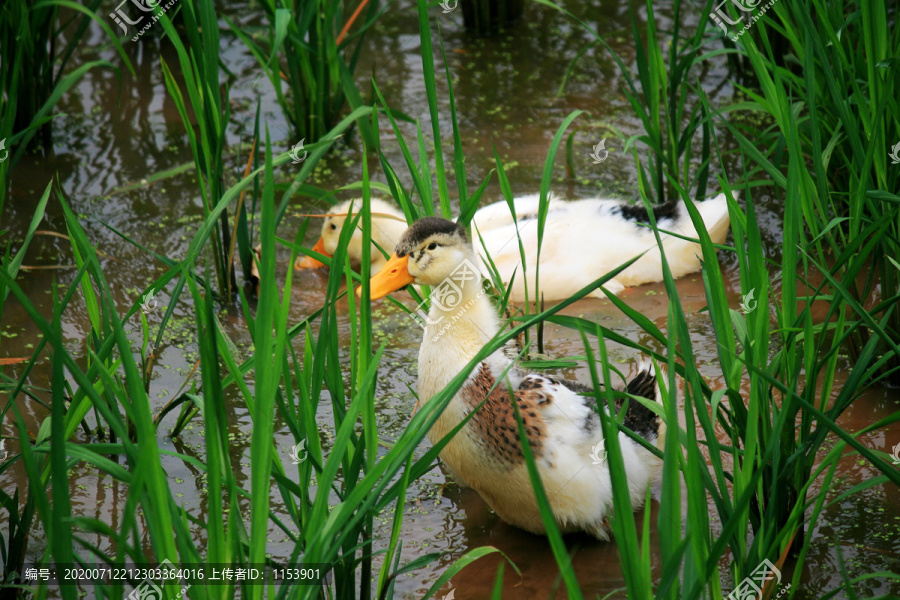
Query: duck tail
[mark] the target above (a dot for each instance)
(715, 216)
(638, 417)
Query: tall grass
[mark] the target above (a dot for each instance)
(205, 102)
(12, 550)
(835, 101)
(37, 41)
(762, 483)
(331, 499)
(332, 512)
(309, 57)
(663, 96)
(842, 208)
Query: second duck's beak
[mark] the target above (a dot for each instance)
(392, 276)
(308, 262)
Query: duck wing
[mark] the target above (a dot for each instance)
(550, 410)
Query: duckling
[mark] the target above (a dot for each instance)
(562, 426)
(583, 240)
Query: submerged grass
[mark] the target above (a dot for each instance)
(768, 481)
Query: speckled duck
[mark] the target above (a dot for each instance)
(562, 426)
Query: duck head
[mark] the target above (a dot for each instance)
(387, 223)
(429, 252)
(330, 236)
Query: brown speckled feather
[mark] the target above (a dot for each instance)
(495, 423)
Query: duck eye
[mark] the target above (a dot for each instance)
(333, 226)
(432, 245)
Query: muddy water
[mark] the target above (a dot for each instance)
(506, 96)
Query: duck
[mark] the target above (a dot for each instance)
(561, 422)
(583, 240)
(388, 224)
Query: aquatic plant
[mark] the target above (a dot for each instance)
(832, 97)
(310, 49)
(663, 96)
(763, 482)
(199, 68)
(33, 75)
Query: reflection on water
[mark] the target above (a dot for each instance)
(120, 132)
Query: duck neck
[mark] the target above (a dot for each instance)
(462, 319)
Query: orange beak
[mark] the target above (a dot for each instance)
(308, 262)
(392, 276)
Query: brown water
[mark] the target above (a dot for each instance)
(505, 91)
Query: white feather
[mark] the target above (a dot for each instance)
(583, 240)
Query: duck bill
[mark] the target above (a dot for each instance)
(308, 262)
(392, 276)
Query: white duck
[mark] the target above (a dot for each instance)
(562, 426)
(388, 224)
(583, 240)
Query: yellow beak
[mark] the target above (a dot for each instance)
(308, 262)
(392, 276)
